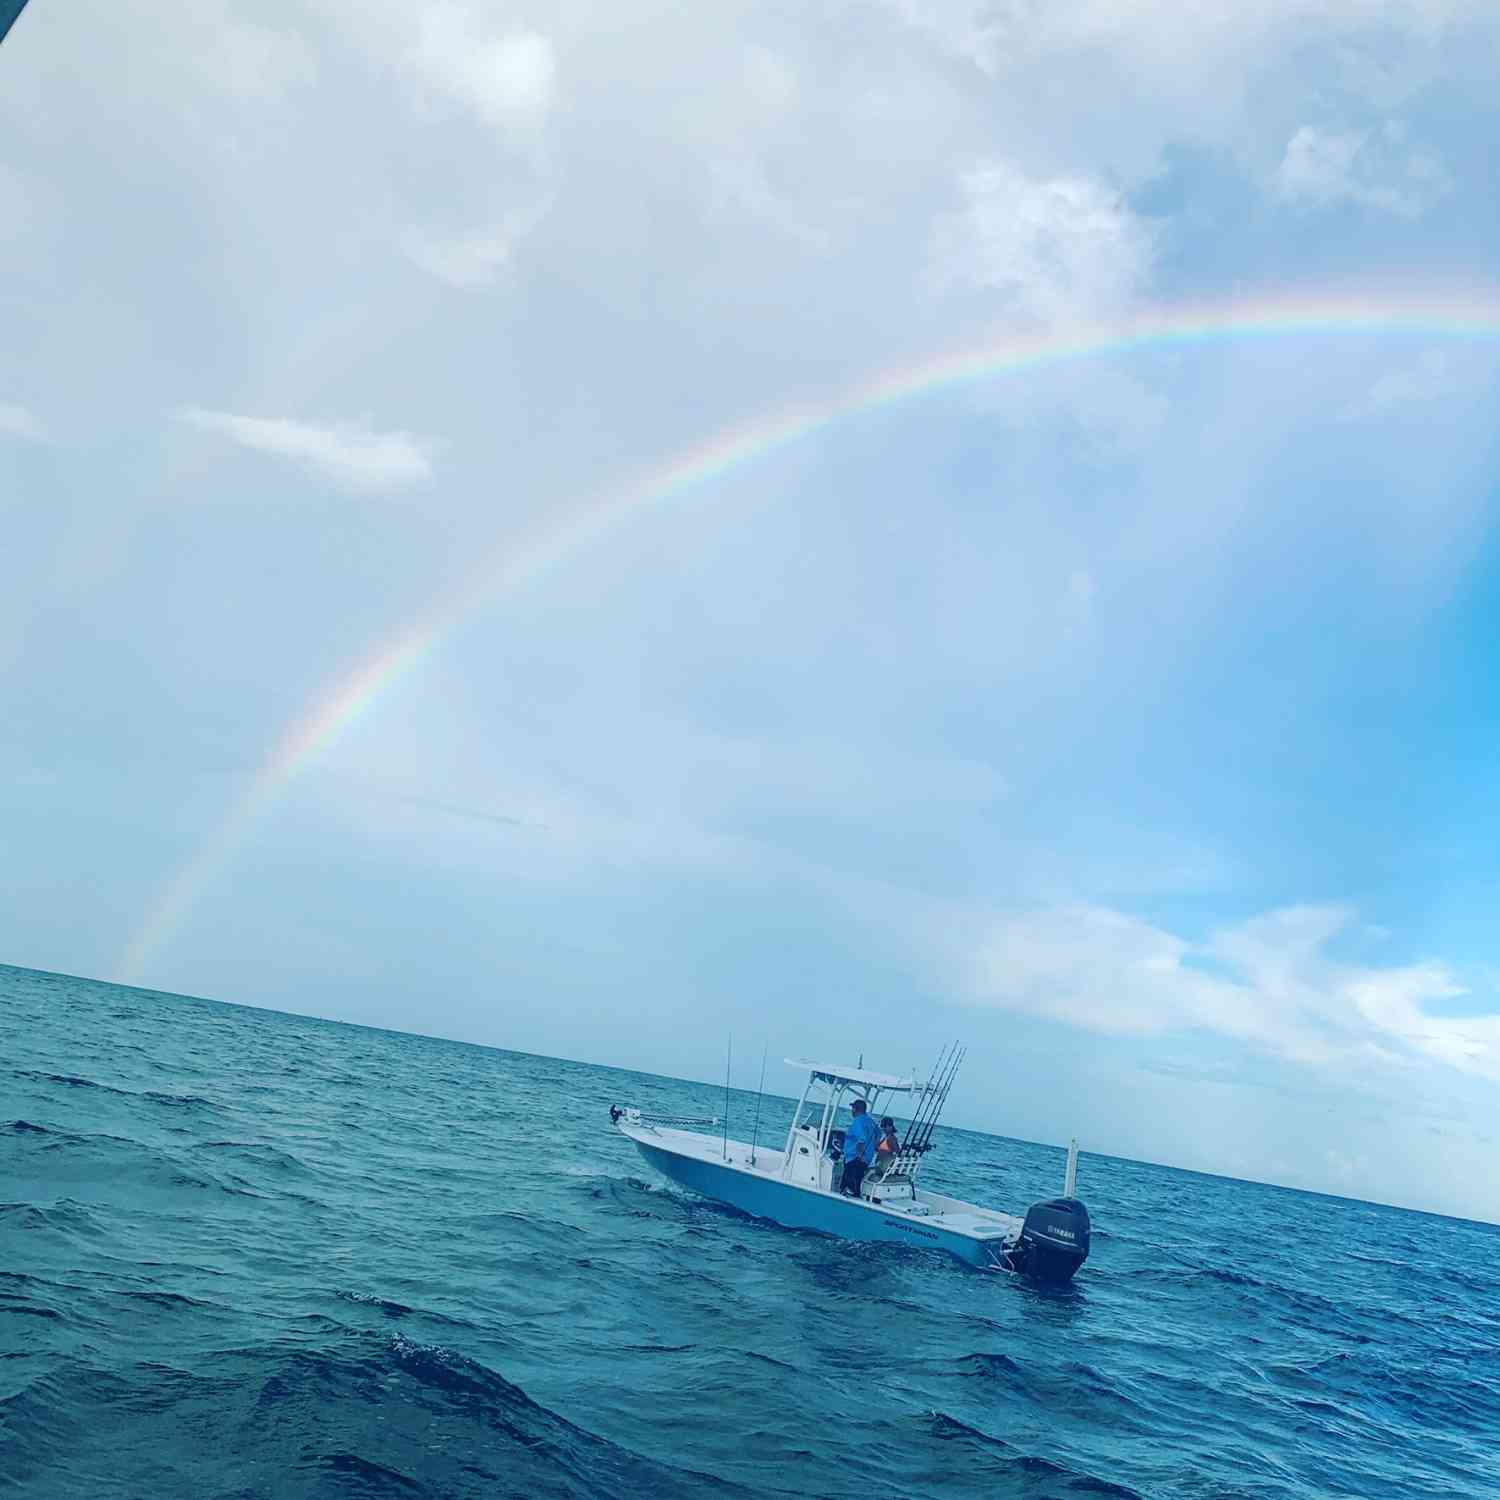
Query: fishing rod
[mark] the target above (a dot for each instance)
(942, 1102)
(935, 1096)
(924, 1101)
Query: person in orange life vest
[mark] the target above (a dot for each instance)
(888, 1148)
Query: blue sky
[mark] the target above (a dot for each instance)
(1132, 718)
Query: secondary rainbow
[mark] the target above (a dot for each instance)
(517, 557)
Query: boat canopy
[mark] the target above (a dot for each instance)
(836, 1073)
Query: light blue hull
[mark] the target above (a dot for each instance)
(810, 1208)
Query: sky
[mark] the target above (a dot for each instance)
(594, 528)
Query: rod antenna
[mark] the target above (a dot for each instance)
(759, 1093)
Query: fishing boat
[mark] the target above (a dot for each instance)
(801, 1185)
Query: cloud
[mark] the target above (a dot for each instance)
(1165, 39)
(249, 61)
(471, 165)
(464, 260)
(1431, 378)
(475, 257)
(1269, 981)
(1059, 248)
(16, 421)
(504, 78)
(1370, 169)
(352, 456)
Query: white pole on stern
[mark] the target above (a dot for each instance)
(1070, 1178)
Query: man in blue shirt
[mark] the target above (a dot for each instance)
(859, 1147)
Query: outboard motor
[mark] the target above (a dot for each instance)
(1054, 1240)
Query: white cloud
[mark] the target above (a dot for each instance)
(1100, 969)
(1369, 168)
(1431, 378)
(1063, 248)
(1229, 75)
(504, 78)
(16, 421)
(471, 169)
(473, 258)
(1163, 38)
(1268, 981)
(249, 61)
(352, 456)
(463, 260)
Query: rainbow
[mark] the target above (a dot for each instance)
(517, 558)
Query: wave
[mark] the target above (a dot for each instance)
(496, 1439)
(20, 1295)
(156, 1096)
(991, 1459)
(65, 1216)
(1444, 1392)
(257, 1152)
(179, 1101)
(71, 1080)
(389, 1308)
(22, 1310)
(363, 1476)
(104, 1168)
(768, 1359)
(167, 1301)
(68, 1080)
(380, 1304)
(990, 1364)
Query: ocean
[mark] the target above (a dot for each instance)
(244, 1253)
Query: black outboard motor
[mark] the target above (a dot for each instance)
(1054, 1240)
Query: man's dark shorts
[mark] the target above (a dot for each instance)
(854, 1174)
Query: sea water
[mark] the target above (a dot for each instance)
(252, 1254)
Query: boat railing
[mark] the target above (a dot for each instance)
(902, 1167)
(650, 1120)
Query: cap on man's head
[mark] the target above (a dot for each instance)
(857, 1107)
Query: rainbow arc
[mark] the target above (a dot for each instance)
(521, 557)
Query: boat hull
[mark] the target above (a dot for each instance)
(799, 1207)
